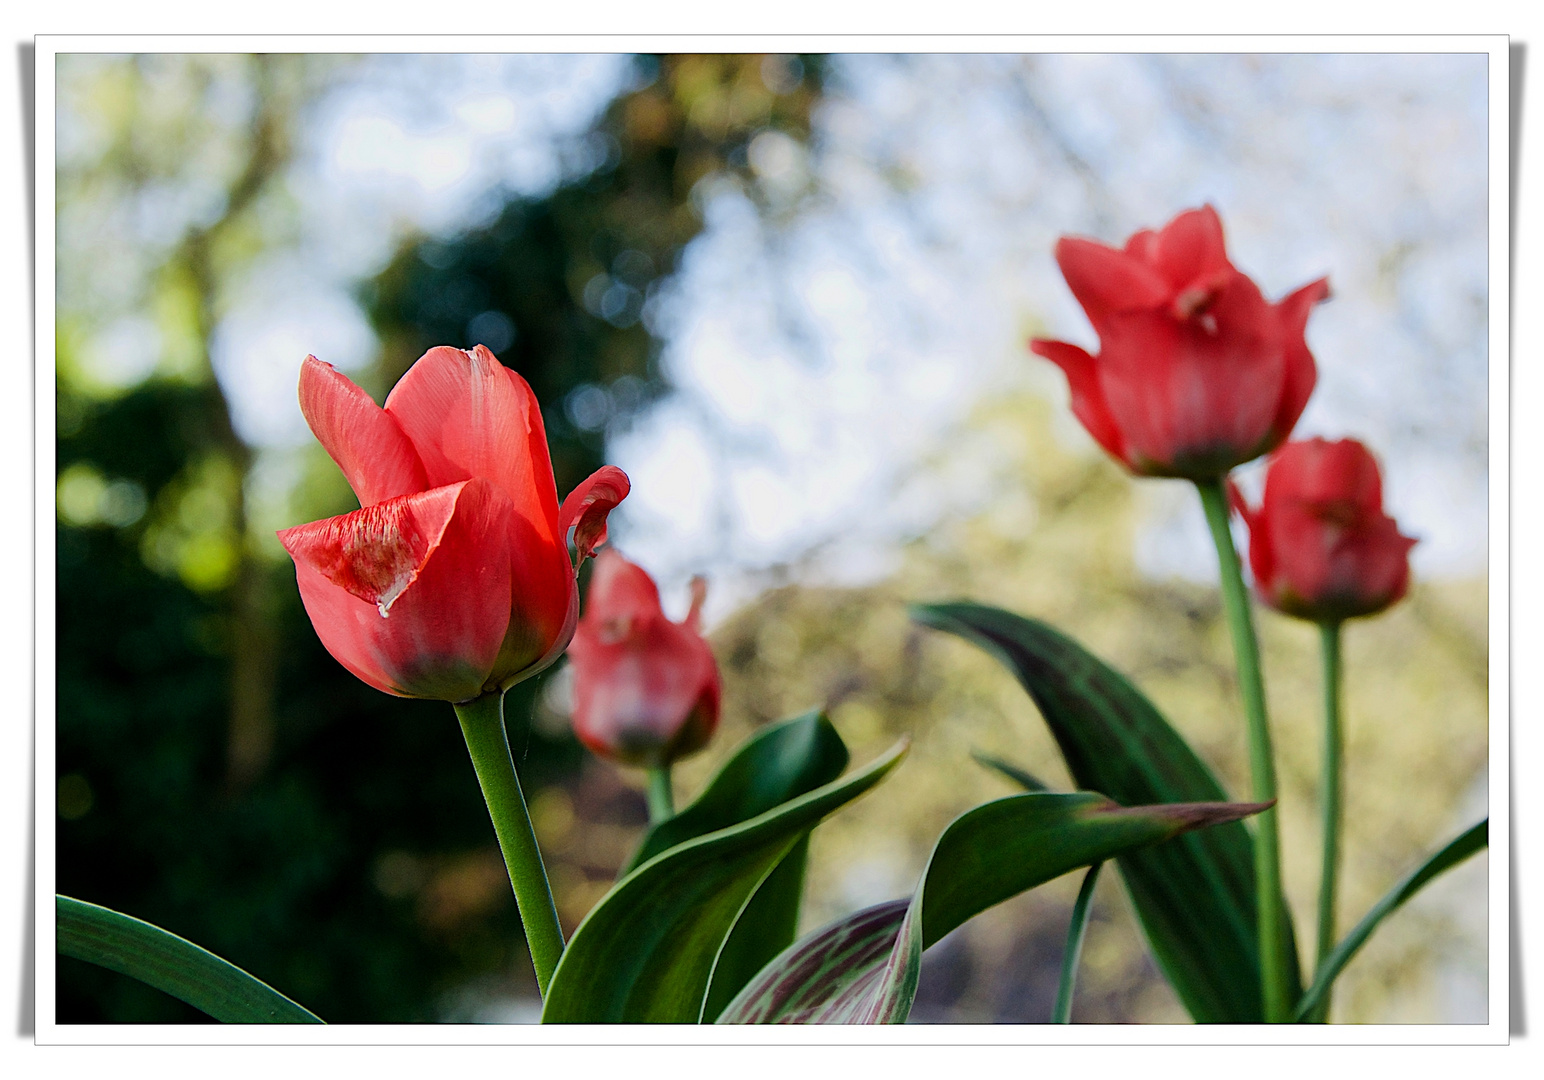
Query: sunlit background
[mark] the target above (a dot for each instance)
(789, 296)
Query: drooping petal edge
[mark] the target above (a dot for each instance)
(586, 509)
(1088, 404)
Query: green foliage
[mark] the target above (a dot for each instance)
(767, 926)
(864, 969)
(645, 954)
(1195, 896)
(1467, 843)
(1026, 780)
(1077, 926)
(775, 764)
(778, 762)
(133, 947)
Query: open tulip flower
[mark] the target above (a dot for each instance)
(646, 690)
(1196, 372)
(453, 579)
(1320, 545)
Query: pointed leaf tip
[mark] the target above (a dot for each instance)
(864, 968)
(1194, 895)
(587, 506)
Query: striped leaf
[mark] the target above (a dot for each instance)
(171, 964)
(1194, 896)
(646, 952)
(864, 969)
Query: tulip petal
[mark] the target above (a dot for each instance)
(1088, 403)
(412, 594)
(1144, 245)
(1194, 397)
(646, 690)
(1301, 374)
(1331, 551)
(1106, 281)
(1190, 248)
(469, 415)
(1259, 533)
(699, 588)
(1321, 470)
(621, 591)
(1237, 503)
(649, 698)
(586, 508)
(376, 457)
(544, 605)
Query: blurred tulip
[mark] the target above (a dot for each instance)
(1320, 545)
(1196, 372)
(646, 690)
(453, 578)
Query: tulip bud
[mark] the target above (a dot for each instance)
(453, 578)
(646, 690)
(1320, 545)
(1196, 372)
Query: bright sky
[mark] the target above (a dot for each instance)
(818, 354)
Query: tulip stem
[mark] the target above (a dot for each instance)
(1062, 1013)
(482, 722)
(1330, 805)
(1271, 915)
(661, 796)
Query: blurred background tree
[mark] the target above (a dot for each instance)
(219, 774)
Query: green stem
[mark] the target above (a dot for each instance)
(661, 797)
(482, 722)
(1262, 768)
(1329, 640)
(1062, 1014)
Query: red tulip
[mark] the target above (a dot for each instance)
(453, 578)
(1196, 372)
(1320, 545)
(646, 689)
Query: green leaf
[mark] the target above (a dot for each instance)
(1459, 849)
(766, 927)
(1025, 780)
(1194, 896)
(646, 952)
(175, 965)
(777, 763)
(864, 969)
(1076, 928)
